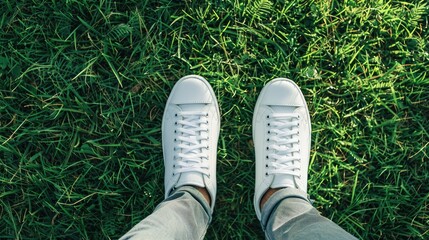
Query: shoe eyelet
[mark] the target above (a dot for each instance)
(175, 140)
(175, 115)
(266, 174)
(266, 165)
(266, 157)
(269, 132)
(268, 116)
(175, 123)
(268, 148)
(268, 124)
(207, 114)
(268, 139)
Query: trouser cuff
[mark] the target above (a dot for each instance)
(271, 205)
(197, 196)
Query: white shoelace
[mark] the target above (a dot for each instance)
(191, 138)
(283, 140)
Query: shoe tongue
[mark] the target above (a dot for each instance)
(191, 106)
(285, 109)
(283, 181)
(191, 178)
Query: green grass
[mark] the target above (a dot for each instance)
(83, 86)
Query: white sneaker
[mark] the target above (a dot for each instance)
(282, 138)
(190, 131)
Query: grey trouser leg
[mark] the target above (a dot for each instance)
(288, 214)
(183, 215)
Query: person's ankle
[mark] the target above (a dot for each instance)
(267, 195)
(205, 193)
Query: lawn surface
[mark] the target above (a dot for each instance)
(83, 86)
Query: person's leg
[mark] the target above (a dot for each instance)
(288, 214)
(282, 138)
(185, 214)
(190, 132)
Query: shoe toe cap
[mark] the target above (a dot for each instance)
(283, 92)
(192, 90)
